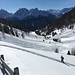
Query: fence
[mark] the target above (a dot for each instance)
(6, 70)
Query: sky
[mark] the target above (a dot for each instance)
(13, 5)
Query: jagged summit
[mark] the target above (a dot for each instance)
(4, 14)
(61, 12)
(22, 13)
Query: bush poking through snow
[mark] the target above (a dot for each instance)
(54, 33)
(56, 50)
(68, 53)
(23, 36)
(56, 39)
(73, 51)
(43, 40)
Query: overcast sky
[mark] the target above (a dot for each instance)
(13, 5)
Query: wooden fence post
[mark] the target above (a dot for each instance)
(2, 56)
(16, 71)
(7, 69)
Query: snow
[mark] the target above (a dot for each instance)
(34, 56)
(32, 64)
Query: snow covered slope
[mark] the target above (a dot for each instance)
(34, 56)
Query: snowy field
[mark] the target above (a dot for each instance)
(34, 56)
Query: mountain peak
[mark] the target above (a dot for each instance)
(22, 13)
(21, 9)
(2, 10)
(4, 14)
(35, 9)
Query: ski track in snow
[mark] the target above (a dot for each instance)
(44, 56)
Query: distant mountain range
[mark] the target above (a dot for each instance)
(36, 19)
(67, 20)
(59, 13)
(23, 13)
(5, 14)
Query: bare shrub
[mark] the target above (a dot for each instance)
(56, 50)
(73, 51)
(68, 53)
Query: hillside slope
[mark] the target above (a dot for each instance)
(34, 56)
